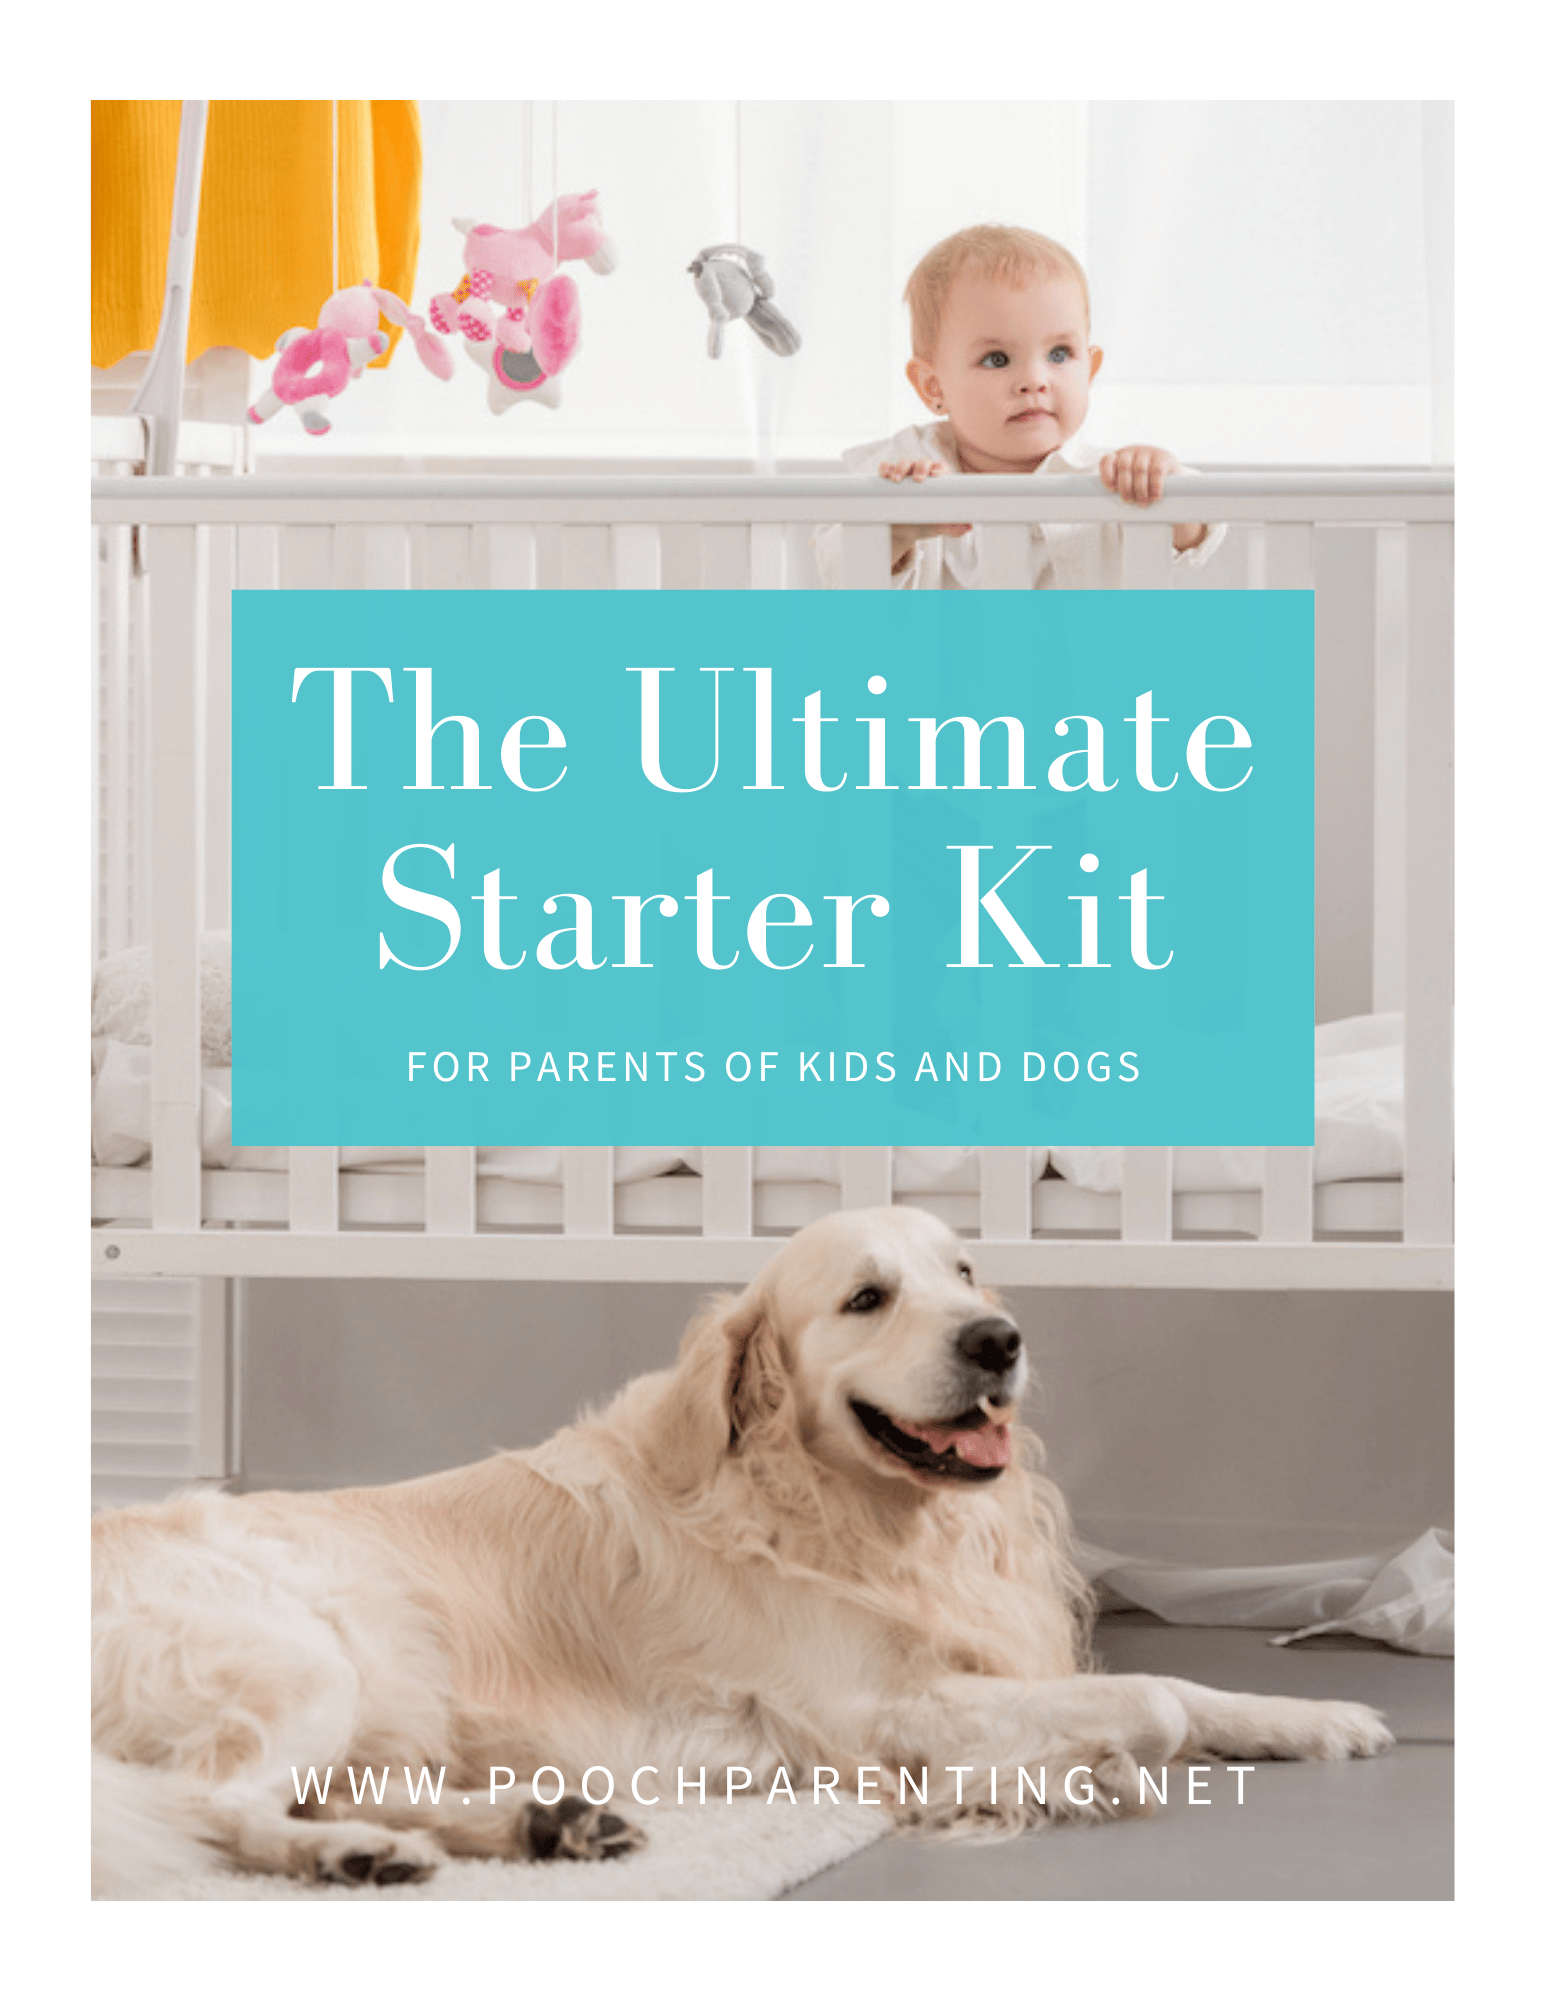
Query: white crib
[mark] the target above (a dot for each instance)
(1378, 548)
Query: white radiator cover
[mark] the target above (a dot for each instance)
(158, 1387)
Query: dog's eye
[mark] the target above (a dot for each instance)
(967, 1273)
(868, 1300)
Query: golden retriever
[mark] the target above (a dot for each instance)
(820, 1541)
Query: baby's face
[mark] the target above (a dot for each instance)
(1012, 368)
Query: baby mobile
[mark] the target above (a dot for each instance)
(517, 314)
(314, 365)
(733, 281)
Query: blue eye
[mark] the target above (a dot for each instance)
(997, 359)
(1062, 353)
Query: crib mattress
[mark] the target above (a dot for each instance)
(1359, 1122)
(1359, 1140)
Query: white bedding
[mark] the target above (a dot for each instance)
(1359, 1133)
(120, 1137)
(1359, 1120)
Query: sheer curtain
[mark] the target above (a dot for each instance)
(1272, 281)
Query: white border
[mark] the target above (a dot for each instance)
(1110, 51)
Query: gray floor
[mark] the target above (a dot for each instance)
(1376, 1830)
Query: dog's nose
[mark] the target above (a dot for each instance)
(989, 1344)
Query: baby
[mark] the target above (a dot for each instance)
(1001, 355)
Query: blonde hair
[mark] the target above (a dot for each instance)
(994, 248)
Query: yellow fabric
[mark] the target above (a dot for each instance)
(263, 261)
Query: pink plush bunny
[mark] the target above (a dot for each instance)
(536, 335)
(312, 366)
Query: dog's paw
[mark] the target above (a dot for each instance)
(575, 1830)
(355, 1854)
(1119, 1792)
(975, 1820)
(1340, 1729)
(1105, 1786)
(1282, 1726)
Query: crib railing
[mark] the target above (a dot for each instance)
(168, 552)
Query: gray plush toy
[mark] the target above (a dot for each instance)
(734, 283)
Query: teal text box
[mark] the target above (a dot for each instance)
(1172, 919)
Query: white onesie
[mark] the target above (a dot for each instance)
(1064, 555)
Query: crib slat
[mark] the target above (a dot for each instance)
(1289, 555)
(1389, 769)
(450, 1190)
(1287, 1187)
(549, 555)
(1429, 1057)
(1146, 1215)
(724, 556)
(257, 558)
(387, 563)
(370, 556)
(1147, 556)
(447, 558)
(769, 556)
(588, 1179)
(141, 677)
(117, 777)
(98, 758)
(587, 558)
(306, 558)
(727, 1192)
(636, 556)
(349, 555)
(1003, 549)
(314, 1189)
(1005, 1174)
(177, 559)
(1287, 1195)
(866, 555)
(217, 733)
(511, 557)
(480, 555)
(1344, 754)
(212, 1453)
(866, 1176)
(680, 560)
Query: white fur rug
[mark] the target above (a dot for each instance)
(748, 1851)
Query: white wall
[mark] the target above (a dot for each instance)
(1260, 272)
(1218, 1426)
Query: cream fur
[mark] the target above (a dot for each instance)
(720, 1568)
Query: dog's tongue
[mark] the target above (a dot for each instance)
(982, 1444)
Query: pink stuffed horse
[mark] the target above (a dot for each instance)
(536, 335)
(311, 367)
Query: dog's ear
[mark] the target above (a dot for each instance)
(731, 1385)
(761, 1395)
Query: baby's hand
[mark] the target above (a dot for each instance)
(1138, 471)
(903, 539)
